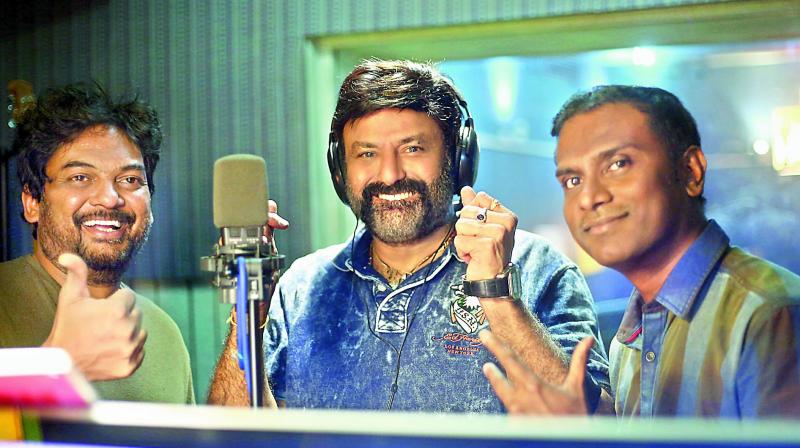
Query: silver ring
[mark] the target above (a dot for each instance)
(482, 215)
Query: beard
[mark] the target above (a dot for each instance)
(106, 260)
(407, 220)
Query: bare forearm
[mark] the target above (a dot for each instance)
(523, 333)
(228, 386)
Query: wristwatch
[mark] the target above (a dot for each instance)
(506, 284)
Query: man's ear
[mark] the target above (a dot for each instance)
(693, 165)
(30, 206)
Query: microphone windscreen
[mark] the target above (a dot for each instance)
(240, 191)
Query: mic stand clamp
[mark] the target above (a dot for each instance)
(264, 265)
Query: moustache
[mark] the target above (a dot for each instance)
(114, 215)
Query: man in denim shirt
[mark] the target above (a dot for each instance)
(710, 330)
(384, 320)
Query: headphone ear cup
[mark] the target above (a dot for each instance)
(335, 167)
(467, 155)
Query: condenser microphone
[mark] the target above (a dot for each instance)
(241, 213)
(240, 192)
(246, 265)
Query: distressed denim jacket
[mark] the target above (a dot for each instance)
(340, 337)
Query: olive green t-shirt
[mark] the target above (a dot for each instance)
(28, 298)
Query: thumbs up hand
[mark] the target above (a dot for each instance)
(103, 336)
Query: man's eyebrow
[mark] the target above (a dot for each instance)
(358, 144)
(133, 166)
(562, 171)
(77, 164)
(602, 155)
(80, 164)
(609, 153)
(419, 138)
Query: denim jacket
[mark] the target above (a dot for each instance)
(340, 337)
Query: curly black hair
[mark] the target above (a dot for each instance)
(63, 113)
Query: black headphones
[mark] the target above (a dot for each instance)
(465, 159)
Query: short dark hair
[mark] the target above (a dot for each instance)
(63, 113)
(376, 84)
(669, 120)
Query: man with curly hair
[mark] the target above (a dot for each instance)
(86, 168)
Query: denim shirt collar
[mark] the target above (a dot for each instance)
(683, 285)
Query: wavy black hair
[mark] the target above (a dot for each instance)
(376, 84)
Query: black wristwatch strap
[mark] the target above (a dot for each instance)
(504, 285)
(495, 287)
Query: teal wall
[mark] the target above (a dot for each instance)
(226, 76)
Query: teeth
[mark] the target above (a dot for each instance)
(108, 226)
(395, 197)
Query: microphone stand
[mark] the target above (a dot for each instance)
(263, 268)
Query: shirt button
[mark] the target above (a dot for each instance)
(650, 356)
(381, 287)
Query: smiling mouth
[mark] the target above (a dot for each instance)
(601, 225)
(107, 226)
(395, 197)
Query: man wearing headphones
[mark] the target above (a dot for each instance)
(389, 320)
